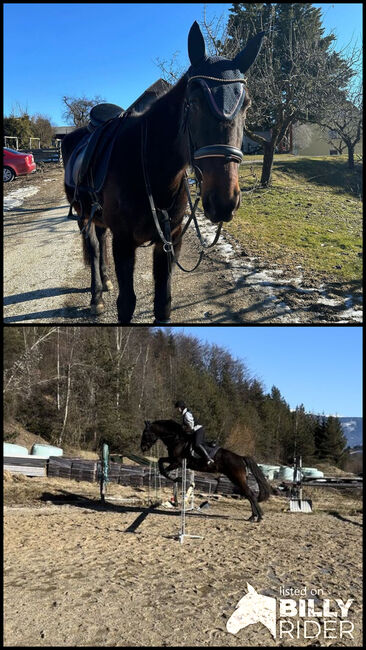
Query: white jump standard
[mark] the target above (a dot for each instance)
(182, 533)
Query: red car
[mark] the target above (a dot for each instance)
(17, 163)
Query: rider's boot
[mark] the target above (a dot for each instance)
(203, 453)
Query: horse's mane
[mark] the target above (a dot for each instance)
(172, 425)
(169, 98)
(172, 95)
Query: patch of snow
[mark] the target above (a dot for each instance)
(16, 198)
(245, 269)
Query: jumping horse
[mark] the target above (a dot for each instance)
(198, 122)
(226, 462)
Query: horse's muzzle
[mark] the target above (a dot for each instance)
(217, 210)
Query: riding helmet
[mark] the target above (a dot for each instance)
(179, 404)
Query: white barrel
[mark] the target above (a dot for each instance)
(312, 472)
(269, 471)
(286, 473)
(14, 450)
(45, 451)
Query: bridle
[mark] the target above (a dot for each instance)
(167, 435)
(226, 152)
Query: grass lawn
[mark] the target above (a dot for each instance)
(311, 216)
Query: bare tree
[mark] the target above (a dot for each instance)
(343, 121)
(78, 109)
(42, 129)
(21, 374)
(295, 75)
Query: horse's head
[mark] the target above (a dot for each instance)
(148, 437)
(215, 106)
(253, 608)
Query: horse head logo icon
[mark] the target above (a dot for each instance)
(253, 608)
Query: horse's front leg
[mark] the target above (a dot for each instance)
(103, 268)
(124, 262)
(173, 464)
(163, 278)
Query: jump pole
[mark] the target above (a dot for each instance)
(104, 471)
(182, 532)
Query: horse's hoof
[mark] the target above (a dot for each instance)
(107, 285)
(97, 309)
(161, 322)
(253, 518)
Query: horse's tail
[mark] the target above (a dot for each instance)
(264, 487)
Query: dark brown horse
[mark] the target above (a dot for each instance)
(225, 462)
(199, 121)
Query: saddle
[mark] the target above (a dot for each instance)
(211, 448)
(87, 167)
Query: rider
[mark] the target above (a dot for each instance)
(197, 431)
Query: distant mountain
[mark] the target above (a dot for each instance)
(352, 429)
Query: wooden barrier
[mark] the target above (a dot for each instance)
(26, 465)
(53, 154)
(137, 476)
(80, 469)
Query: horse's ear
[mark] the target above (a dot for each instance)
(251, 589)
(246, 57)
(196, 45)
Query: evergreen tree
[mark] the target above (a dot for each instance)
(332, 442)
(76, 385)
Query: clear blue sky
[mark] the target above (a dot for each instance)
(320, 367)
(51, 50)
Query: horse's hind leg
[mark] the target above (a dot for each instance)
(257, 513)
(96, 303)
(102, 238)
(239, 478)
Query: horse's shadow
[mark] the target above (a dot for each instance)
(65, 497)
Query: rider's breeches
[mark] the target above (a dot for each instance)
(199, 437)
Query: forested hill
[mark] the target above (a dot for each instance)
(76, 385)
(352, 428)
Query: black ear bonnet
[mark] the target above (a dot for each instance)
(225, 96)
(222, 80)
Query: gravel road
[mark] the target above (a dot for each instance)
(46, 281)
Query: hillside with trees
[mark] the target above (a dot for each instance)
(77, 385)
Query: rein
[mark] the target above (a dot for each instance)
(227, 152)
(164, 230)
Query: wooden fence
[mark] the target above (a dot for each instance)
(53, 154)
(27, 465)
(132, 475)
(80, 469)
